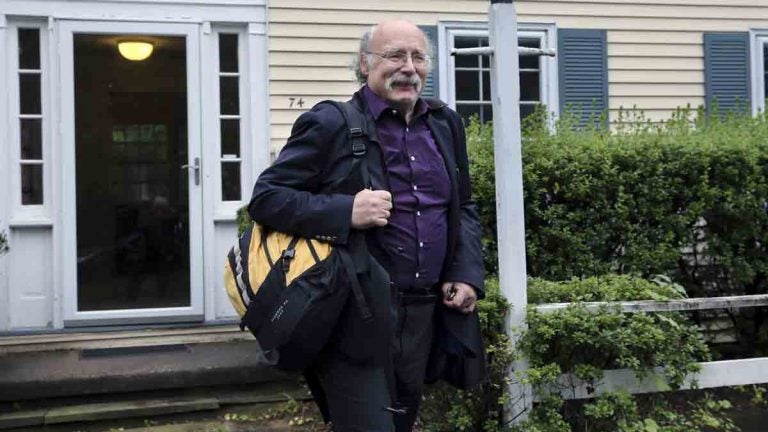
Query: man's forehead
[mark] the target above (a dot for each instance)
(398, 35)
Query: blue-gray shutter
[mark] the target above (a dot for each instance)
(432, 85)
(727, 71)
(583, 73)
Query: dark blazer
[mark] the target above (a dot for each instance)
(300, 194)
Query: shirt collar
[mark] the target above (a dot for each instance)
(377, 105)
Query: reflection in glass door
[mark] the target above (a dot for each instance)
(132, 194)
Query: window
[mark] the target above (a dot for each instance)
(230, 117)
(759, 88)
(30, 116)
(469, 77)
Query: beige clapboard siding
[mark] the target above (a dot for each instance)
(619, 76)
(648, 64)
(654, 50)
(655, 47)
(657, 37)
(653, 115)
(302, 73)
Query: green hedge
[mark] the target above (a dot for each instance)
(583, 343)
(686, 199)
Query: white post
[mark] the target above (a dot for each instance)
(505, 93)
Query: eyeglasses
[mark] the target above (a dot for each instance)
(401, 57)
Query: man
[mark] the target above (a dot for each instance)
(418, 224)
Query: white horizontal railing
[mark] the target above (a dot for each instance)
(713, 374)
(690, 304)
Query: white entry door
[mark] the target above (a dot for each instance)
(130, 177)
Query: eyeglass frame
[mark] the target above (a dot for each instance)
(401, 57)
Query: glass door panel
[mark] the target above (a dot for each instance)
(132, 196)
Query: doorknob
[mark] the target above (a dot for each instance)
(196, 168)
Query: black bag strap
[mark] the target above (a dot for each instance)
(357, 290)
(358, 136)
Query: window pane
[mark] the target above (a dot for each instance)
(229, 95)
(485, 59)
(467, 111)
(31, 184)
(467, 85)
(486, 113)
(30, 93)
(230, 181)
(230, 137)
(526, 110)
(228, 53)
(529, 62)
(29, 49)
(486, 86)
(765, 70)
(31, 139)
(467, 60)
(529, 86)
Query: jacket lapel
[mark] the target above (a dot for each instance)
(441, 132)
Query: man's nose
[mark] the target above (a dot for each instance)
(408, 65)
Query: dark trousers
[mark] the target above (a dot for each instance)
(356, 396)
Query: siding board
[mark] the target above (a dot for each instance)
(655, 47)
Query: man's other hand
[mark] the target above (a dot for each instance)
(371, 208)
(459, 296)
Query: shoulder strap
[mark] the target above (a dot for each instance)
(358, 138)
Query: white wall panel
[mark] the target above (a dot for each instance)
(226, 235)
(30, 277)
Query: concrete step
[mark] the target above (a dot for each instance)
(108, 410)
(38, 374)
(119, 410)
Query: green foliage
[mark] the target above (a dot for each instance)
(685, 198)
(583, 343)
(243, 220)
(573, 346)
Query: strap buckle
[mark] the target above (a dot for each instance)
(358, 145)
(288, 255)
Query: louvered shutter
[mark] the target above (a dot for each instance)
(727, 72)
(432, 85)
(583, 73)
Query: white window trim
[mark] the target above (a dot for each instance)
(549, 92)
(757, 38)
(31, 214)
(227, 210)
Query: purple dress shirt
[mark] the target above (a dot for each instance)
(415, 237)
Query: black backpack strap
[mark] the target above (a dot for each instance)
(357, 134)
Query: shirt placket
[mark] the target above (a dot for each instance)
(420, 274)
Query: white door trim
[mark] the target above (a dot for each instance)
(67, 218)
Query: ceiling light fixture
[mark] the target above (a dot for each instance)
(135, 50)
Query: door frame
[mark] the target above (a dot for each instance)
(67, 181)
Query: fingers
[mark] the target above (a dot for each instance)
(371, 208)
(459, 296)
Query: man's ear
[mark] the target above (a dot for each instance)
(363, 64)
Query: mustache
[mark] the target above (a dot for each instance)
(403, 79)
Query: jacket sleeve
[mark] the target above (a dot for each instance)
(286, 196)
(468, 263)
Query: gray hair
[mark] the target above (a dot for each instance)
(365, 45)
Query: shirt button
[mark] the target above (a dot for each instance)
(413, 158)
